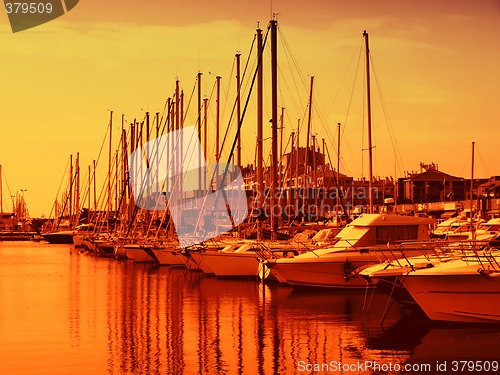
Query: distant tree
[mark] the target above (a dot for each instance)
(36, 224)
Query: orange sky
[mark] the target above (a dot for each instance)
(436, 64)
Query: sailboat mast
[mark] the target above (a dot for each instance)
(70, 196)
(199, 133)
(369, 109)
(124, 162)
(217, 130)
(95, 190)
(110, 202)
(297, 157)
(238, 107)
(205, 139)
(77, 188)
(260, 96)
(88, 195)
(282, 127)
(177, 154)
(472, 185)
(338, 168)
(309, 118)
(315, 185)
(274, 133)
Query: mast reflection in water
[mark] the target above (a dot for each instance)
(63, 312)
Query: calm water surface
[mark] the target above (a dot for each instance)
(62, 312)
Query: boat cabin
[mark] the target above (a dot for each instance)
(380, 229)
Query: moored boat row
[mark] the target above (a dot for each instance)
(162, 205)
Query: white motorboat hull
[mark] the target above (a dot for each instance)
(467, 298)
(334, 270)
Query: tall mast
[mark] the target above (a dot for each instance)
(132, 148)
(205, 139)
(217, 129)
(274, 136)
(281, 142)
(77, 188)
(110, 203)
(124, 163)
(217, 121)
(88, 195)
(125, 172)
(148, 166)
(177, 105)
(70, 197)
(472, 184)
(338, 168)
(177, 152)
(309, 118)
(199, 132)
(117, 179)
(369, 109)
(157, 181)
(260, 89)
(168, 156)
(95, 191)
(238, 106)
(315, 177)
(297, 159)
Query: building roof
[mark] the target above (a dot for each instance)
(433, 175)
(492, 183)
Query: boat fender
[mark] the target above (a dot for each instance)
(347, 270)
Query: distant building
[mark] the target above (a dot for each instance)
(489, 195)
(430, 185)
(307, 181)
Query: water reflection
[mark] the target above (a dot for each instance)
(77, 314)
(181, 322)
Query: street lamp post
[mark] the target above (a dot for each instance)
(13, 211)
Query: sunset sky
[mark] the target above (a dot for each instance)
(435, 69)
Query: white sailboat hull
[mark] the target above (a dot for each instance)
(136, 253)
(230, 264)
(167, 256)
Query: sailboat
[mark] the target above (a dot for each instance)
(72, 199)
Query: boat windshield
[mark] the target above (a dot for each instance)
(379, 235)
(351, 236)
(491, 227)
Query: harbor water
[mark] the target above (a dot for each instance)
(64, 312)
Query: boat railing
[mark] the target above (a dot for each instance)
(487, 258)
(475, 251)
(400, 250)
